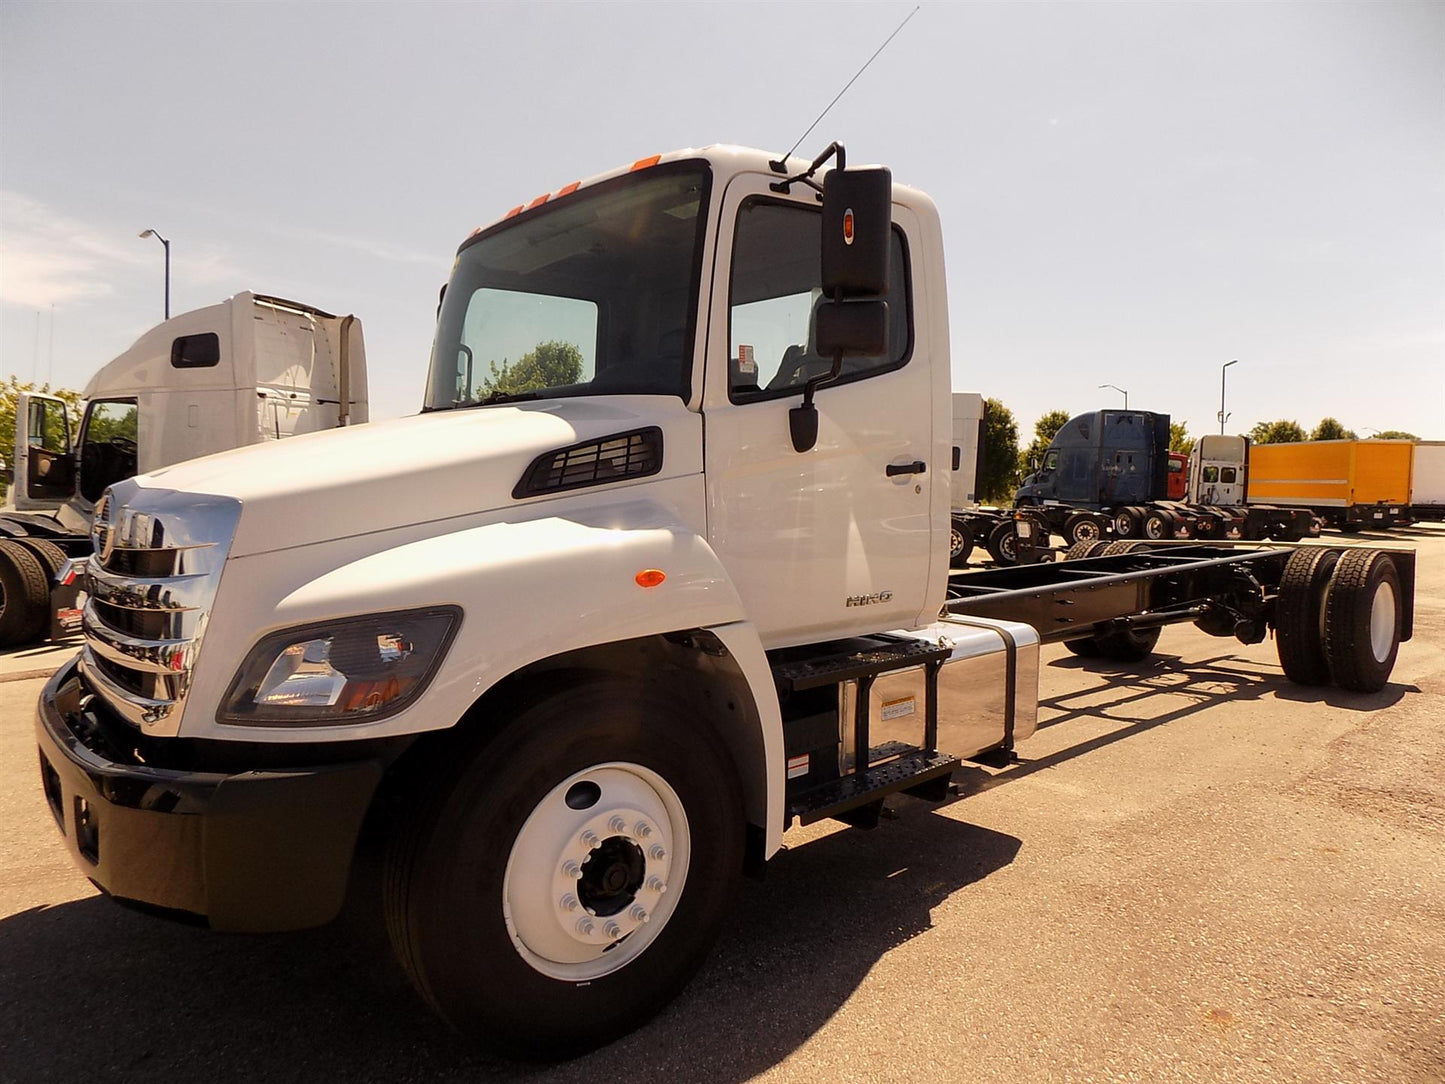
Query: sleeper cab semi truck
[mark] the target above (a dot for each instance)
(248, 370)
(1110, 473)
(1348, 483)
(582, 639)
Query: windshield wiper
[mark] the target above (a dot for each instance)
(506, 397)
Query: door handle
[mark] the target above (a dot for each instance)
(893, 470)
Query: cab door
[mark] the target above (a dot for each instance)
(44, 465)
(837, 539)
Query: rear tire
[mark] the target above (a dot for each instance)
(1113, 549)
(1128, 645)
(1362, 621)
(1155, 525)
(51, 557)
(1127, 521)
(1087, 648)
(1082, 527)
(1003, 543)
(492, 879)
(24, 595)
(1299, 615)
(960, 543)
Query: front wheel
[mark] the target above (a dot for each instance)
(960, 543)
(571, 878)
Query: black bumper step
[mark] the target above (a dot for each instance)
(883, 653)
(920, 773)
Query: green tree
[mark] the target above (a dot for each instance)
(547, 365)
(1044, 430)
(1332, 429)
(1179, 439)
(1395, 434)
(10, 391)
(1000, 453)
(1277, 432)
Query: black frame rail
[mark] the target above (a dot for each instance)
(1071, 599)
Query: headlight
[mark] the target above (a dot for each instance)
(358, 669)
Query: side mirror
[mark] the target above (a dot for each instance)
(857, 217)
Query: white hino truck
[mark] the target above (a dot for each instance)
(249, 369)
(660, 569)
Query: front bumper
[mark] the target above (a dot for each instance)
(249, 851)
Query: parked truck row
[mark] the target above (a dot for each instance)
(248, 370)
(579, 652)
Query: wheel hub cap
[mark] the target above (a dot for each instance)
(595, 871)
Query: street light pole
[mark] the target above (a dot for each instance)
(167, 245)
(1222, 414)
(1121, 391)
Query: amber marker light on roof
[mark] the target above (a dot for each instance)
(514, 212)
(650, 577)
(568, 189)
(646, 163)
(543, 198)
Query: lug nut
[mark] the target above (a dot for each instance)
(612, 930)
(643, 829)
(572, 869)
(617, 824)
(657, 852)
(585, 926)
(569, 902)
(655, 883)
(637, 914)
(589, 839)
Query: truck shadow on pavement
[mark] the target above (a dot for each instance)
(1130, 695)
(89, 990)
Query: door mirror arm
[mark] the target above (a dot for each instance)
(803, 418)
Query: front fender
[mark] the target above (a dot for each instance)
(527, 591)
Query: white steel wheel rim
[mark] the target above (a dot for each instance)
(1086, 531)
(1382, 621)
(563, 855)
(1154, 527)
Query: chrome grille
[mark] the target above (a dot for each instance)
(151, 581)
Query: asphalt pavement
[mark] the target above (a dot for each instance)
(1197, 872)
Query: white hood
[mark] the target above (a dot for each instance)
(429, 467)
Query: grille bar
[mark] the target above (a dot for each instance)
(151, 580)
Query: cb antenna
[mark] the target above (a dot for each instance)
(780, 166)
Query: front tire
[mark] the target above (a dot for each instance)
(571, 878)
(960, 543)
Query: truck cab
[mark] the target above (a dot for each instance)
(1219, 469)
(249, 369)
(1102, 459)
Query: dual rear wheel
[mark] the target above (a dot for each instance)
(1337, 618)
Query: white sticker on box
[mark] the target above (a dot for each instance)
(797, 766)
(897, 709)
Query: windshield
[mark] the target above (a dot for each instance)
(595, 296)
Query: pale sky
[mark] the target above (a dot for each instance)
(1131, 194)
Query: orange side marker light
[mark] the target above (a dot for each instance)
(650, 577)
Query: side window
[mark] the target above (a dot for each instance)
(196, 351)
(1051, 460)
(1227, 475)
(49, 429)
(775, 288)
(108, 437)
(1175, 466)
(1211, 475)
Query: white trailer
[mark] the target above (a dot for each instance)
(1427, 480)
